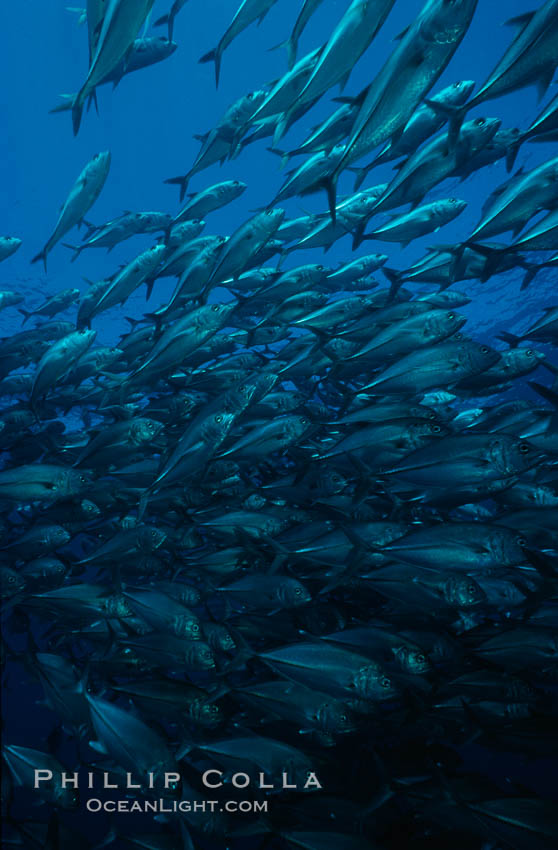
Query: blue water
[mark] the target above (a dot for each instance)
(149, 121)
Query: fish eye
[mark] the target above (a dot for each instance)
(82, 479)
(298, 591)
(480, 122)
(524, 448)
(457, 85)
(436, 429)
(451, 315)
(485, 349)
(521, 541)
(11, 579)
(385, 682)
(529, 352)
(153, 535)
(304, 421)
(320, 268)
(215, 308)
(421, 658)
(195, 627)
(218, 418)
(236, 183)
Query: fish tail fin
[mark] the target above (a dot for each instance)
(395, 278)
(548, 394)
(215, 57)
(77, 111)
(42, 255)
(457, 267)
(166, 19)
(455, 115)
(361, 174)
(290, 46)
(181, 181)
(132, 322)
(511, 339)
(157, 318)
(68, 103)
(513, 150)
(330, 185)
(491, 255)
(281, 127)
(359, 235)
(75, 248)
(93, 99)
(25, 313)
(284, 155)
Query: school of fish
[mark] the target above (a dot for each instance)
(300, 520)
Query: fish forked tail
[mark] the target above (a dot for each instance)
(395, 278)
(77, 109)
(181, 181)
(42, 255)
(25, 313)
(283, 155)
(530, 275)
(169, 20)
(361, 173)
(359, 235)
(214, 56)
(329, 183)
(512, 339)
(281, 127)
(513, 150)
(68, 101)
(291, 46)
(454, 115)
(77, 249)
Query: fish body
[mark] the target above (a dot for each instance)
(58, 360)
(520, 199)
(446, 363)
(416, 64)
(8, 246)
(121, 22)
(83, 195)
(420, 221)
(248, 12)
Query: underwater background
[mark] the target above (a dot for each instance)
(424, 794)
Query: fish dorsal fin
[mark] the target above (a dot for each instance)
(402, 34)
(521, 21)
